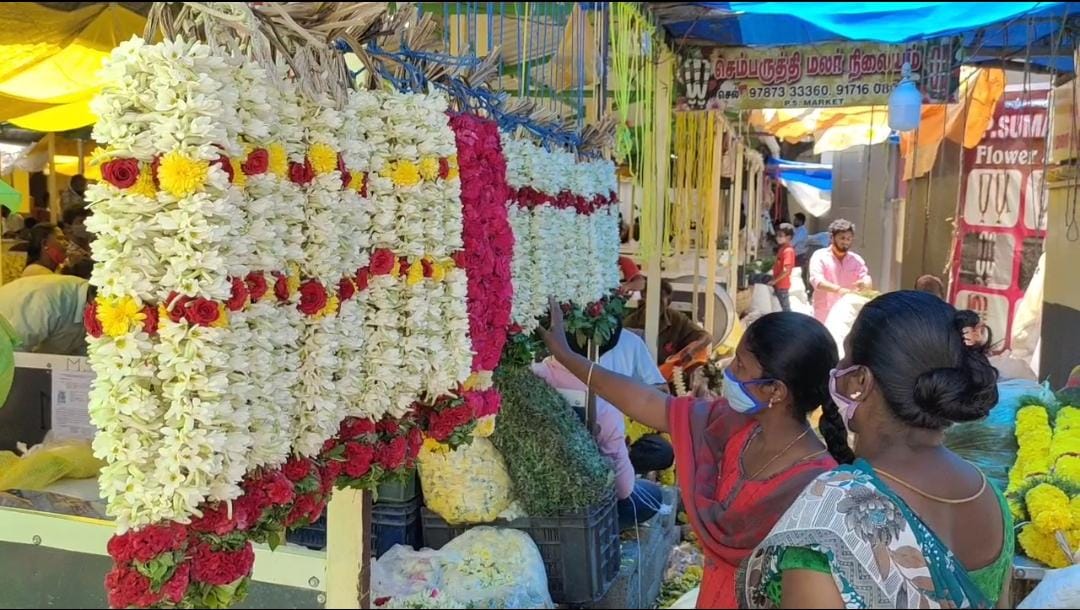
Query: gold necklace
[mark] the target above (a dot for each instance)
(922, 493)
(782, 452)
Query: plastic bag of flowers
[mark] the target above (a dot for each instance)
(485, 567)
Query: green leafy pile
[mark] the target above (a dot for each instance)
(553, 461)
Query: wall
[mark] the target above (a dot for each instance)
(929, 211)
(1061, 298)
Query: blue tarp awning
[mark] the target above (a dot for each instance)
(991, 30)
(816, 175)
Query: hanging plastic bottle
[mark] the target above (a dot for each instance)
(905, 102)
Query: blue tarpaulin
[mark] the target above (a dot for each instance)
(990, 30)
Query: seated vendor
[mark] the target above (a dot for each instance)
(45, 312)
(677, 330)
(626, 354)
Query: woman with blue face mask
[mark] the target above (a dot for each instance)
(908, 524)
(741, 460)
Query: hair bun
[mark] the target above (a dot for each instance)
(959, 394)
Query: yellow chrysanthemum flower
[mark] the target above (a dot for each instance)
(433, 446)
(405, 173)
(452, 174)
(1044, 547)
(145, 184)
(429, 168)
(223, 317)
(278, 160)
(120, 316)
(416, 273)
(323, 158)
(438, 270)
(1067, 468)
(396, 269)
(1049, 508)
(293, 279)
(239, 177)
(485, 427)
(1066, 442)
(331, 308)
(180, 175)
(1068, 418)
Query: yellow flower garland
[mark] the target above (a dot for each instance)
(278, 160)
(180, 175)
(323, 158)
(119, 316)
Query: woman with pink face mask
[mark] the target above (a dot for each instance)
(742, 459)
(908, 524)
(46, 251)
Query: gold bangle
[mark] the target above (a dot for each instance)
(588, 380)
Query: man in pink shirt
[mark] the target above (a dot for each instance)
(627, 355)
(836, 270)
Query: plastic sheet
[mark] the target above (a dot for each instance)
(1059, 589)
(46, 464)
(483, 568)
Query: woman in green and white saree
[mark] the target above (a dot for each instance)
(908, 524)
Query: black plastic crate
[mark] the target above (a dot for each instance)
(392, 523)
(580, 549)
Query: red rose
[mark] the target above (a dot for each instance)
(392, 454)
(176, 304)
(256, 285)
(403, 266)
(444, 167)
(346, 289)
(346, 175)
(313, 297)
(596, 309)
(429, 269)
(226, 165)
(297, 469)
(121, 173)
(176, 588)
(258, 161)
(358, 458)
(301, 173)
(281, 287)
(91, 322)
(363, 184)
(460, 261)
(239, 298)
(150, 322)
(202, 312)
(382, 261)
(355, 427)
(362, 278)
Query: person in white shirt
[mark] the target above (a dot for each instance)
(45, 313)
(46, 251)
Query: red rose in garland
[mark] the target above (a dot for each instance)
(256, 285)
(226, 166)
(382, 262)
(121, 173)
(346, 289)
(258, 162)
(150, 322)
(346, 175)
(177, 305)
(238, 300)
(313, 297)
(301, 173)
(281, 287)
(91, 322)
(363, 277)
(202, 312)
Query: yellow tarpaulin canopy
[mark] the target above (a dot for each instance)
(50, 59)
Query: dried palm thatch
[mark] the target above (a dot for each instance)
(599, 137)
(303, 35)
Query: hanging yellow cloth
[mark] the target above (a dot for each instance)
(50, 59)
(964, 122)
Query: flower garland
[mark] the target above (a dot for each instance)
(1044, 484)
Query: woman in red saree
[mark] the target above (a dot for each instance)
(744, 458)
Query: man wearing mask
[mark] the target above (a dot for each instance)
(46, 251)
(836, 270)
(75, 229)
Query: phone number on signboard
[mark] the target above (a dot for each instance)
(824, 90)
